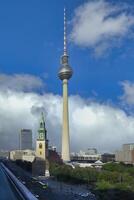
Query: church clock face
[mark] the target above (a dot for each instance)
(41, 135)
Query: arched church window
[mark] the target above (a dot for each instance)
(40, 146)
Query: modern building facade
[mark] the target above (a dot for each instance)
(90, 156)
(65, 74)
(25, 139)
(126, 154)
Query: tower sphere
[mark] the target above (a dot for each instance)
(65, 71)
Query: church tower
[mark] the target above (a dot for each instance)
(42, 142)
(40, 166)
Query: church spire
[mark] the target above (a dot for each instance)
(42, 117)
(42, 128)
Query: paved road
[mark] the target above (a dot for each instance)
(74, 191)
(6, 190)
(55, 190)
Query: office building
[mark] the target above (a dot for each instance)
(126, 154)
(25, 139)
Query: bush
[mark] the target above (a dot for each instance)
(103, 185)
(112, 176)
(123, 186)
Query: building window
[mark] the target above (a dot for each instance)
(40, 146)
(40, 153)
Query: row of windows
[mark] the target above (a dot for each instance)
(85, 158)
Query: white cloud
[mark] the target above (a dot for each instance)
(92, 124)
(99, 125)
(128, 92)
(20, 82)
(100, 24)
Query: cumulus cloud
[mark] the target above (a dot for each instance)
(100, 25)
(128, 92)
(100, 125)
(92, 124)
(20, 82)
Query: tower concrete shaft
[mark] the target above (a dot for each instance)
(65, 128)
(65, 73)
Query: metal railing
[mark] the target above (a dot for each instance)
(21, 190)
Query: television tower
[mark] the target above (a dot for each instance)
(65, 73)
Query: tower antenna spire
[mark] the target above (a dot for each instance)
(65, 33)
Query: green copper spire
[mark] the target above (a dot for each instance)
(42, 129)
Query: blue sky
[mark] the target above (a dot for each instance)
(31, 42)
